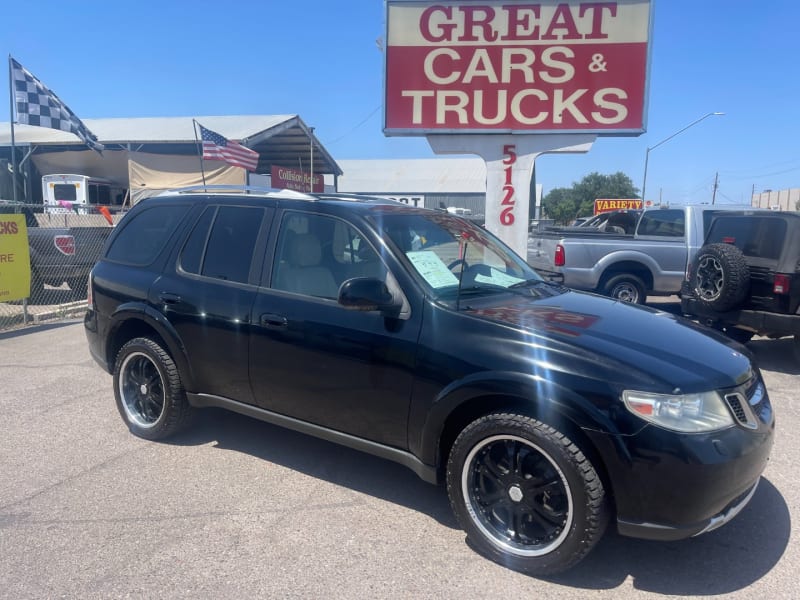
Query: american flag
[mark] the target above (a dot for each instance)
(216, 147)
(37, 105)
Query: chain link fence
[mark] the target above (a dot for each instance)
(63, 246)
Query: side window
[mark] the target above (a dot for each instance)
(144, 236)
(315, 254)
(229, 248)
(664, 223)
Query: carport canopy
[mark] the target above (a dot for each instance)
(280, 140)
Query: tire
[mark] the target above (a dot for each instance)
(796, 347)
(541, 517)
(720, 277)
(148, 390)
(626, 288)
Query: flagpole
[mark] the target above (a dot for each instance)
(11, 114)
(311, 129)
(200, 153)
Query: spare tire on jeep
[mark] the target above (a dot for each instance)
(720, 277)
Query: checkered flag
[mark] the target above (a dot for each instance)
(37, 105)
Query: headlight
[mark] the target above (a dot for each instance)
(688, 413)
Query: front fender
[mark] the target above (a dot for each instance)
(126, 314)
(547, 401)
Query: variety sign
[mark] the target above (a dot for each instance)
(605, 205)
(500, 66)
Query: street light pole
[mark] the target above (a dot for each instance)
(647, 153)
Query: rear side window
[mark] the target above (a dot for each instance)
(221, 244)
(754, 236)
(145, 235)
(662, 222)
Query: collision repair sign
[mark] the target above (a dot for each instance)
(511, 66)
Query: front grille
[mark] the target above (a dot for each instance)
(749, 404)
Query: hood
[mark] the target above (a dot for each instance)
(626, 339)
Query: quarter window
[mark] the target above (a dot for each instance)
(142, 238)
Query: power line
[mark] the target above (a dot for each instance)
(367, 118)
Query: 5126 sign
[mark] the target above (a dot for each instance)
(509, 200)
(507, 66)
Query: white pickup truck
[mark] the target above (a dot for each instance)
(629, 267)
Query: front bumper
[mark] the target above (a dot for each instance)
(670, 486)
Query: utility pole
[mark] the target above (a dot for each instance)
(716, 185)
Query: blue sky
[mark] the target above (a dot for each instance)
(320, 60)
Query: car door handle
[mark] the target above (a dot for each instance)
(168, 298)
(273, 320)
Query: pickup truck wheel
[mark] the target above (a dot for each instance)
(625, 287)
(525, 494)
(148, 390)
(720, 276)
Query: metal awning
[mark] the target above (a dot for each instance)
(280, 140)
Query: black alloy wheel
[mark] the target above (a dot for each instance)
(148, 390)
(525, 494)
(517, 495)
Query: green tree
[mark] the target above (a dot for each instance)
(565, 204)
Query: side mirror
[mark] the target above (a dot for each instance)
(367, 294)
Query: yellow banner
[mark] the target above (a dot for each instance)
(15, 262)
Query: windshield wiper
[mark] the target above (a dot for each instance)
(529, 283)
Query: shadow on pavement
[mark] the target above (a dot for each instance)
(775, 355)
(720, 562)
(317, 458)
(723, 561)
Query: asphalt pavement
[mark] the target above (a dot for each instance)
(236, 508)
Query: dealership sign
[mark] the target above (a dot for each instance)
(511, 66)
(293, 179)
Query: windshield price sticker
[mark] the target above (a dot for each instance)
(432, 269)
(503, 66)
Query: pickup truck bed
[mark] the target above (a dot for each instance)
(651, 261)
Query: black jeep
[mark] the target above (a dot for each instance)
(745, 280)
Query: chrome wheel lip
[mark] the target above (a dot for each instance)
(502, 542)
(710, 278)
(141, 385)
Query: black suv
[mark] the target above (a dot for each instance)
(745, 280)
(418, 336)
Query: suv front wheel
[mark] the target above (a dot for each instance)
(148, 389)
(525, 494)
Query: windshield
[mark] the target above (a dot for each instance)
(451, 255)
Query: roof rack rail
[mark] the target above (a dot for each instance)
(240, 189)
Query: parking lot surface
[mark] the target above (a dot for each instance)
(237, 508)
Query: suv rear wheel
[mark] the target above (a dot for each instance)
(148, 389)
(525, 494)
